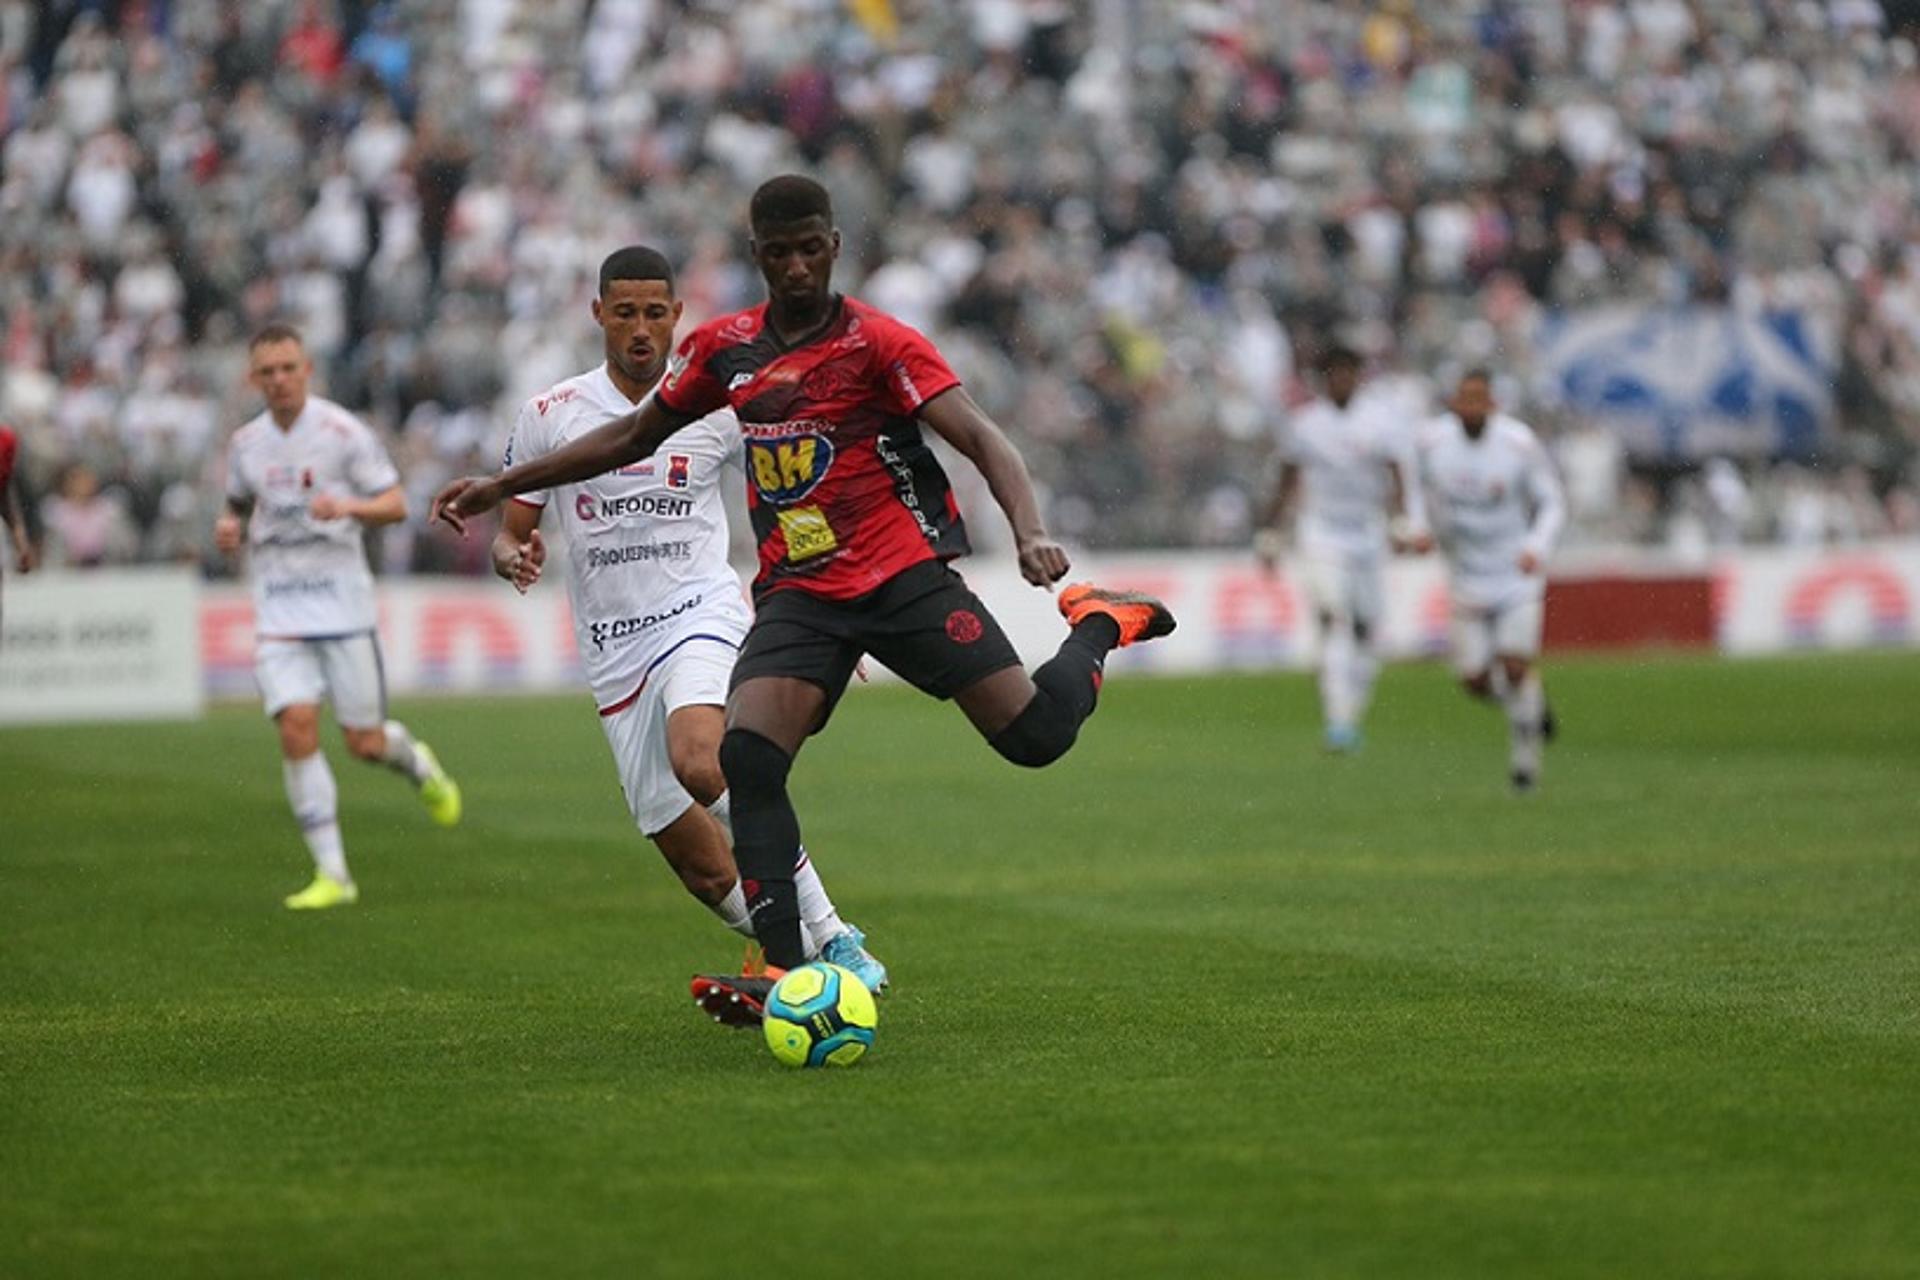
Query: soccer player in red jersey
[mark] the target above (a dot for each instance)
(856, 525)
(10, 510)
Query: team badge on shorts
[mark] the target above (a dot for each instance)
(963, 626)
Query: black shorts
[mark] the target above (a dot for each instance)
(924, 623)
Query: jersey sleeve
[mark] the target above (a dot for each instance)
(912, 371)
(238, 490)
(691, 388)
(531, 437)
(369, 469)
(1549, 500)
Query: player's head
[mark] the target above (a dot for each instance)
(1473, 398)
(279, 369)
(794, 240)
(636, 311)
(1340, 372)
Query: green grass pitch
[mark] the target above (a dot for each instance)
(1198, 1001)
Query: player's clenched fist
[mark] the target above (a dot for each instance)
(463, 499)
(1043, 561)
(228, 532)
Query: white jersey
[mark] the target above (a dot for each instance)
(646, 546)
(1343, 455)
(1491, 499)
(310, 577)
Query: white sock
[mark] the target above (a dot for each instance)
(403, 753)
(311, 792)
(1363, 670)
(817, 914)
(1336, 679)
(1525, 706)
(732, 911)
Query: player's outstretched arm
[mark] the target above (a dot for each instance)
(963, 424)
(622, 441)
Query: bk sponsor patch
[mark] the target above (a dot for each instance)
(785, 469)
(807, 533)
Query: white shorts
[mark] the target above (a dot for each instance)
(1510, 630)
(1346, 588)
(694, 675)
(344, 671)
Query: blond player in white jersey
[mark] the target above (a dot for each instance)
(1497, 508)
(303, 479)
(1342, 467)
(658, 612)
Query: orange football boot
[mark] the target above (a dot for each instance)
(1138, 615)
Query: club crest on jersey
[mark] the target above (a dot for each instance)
(679, 470)
(306, 477)
(785, 468)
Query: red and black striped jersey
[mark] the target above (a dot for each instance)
(843, 490)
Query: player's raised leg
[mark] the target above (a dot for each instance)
(1033, 721)
(356, 682)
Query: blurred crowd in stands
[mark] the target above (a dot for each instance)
(1131, 224)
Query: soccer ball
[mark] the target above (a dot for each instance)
(819, 1015)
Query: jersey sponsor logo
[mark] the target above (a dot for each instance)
(909, 391)
(612, 630)
(964, 626)
(303, 585)
(679, 470)
(786, 467)
(807, 533)
(638, 553)
(281, 476)
(632, 504)
(644, 467)
(552, 398)
(740, 380)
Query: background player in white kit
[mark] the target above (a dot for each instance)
(1498, 508)
(658, 612)
(1343, 466)
(302, 479)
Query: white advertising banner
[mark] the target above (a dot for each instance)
(477, 635)
(1779, 601)
(101, 645)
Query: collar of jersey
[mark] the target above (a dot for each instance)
(820, 331)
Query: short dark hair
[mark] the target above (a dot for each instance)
(789, 198)
(635, 262)
(278, 331)
(1339, 356)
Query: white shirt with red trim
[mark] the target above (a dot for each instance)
(310, 577)
(645, 547)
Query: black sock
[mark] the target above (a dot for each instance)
(766, 841)
(1065, 690)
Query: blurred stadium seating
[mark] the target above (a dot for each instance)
(1129, 222)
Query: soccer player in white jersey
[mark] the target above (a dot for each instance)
(658, 612)
(1343, 469)
(303, 478)
(1497, 507)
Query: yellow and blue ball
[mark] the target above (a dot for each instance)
(819, 1015)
